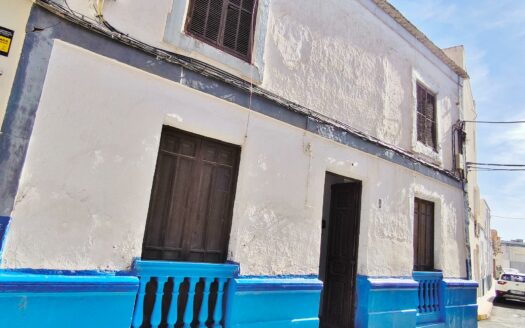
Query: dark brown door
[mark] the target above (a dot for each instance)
(341, 260)
(423, 235)
(192, 197)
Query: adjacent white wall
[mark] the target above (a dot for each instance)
(85, 187)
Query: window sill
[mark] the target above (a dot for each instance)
(428, 153)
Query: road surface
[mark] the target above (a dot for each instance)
(506, 314)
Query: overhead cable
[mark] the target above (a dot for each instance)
(496, 122)
(493, 164)
(506, 217)
(492, 169)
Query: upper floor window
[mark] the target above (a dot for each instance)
(426, 117)
(423, 235)
(225, 24)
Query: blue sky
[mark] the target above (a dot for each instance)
(493, 33)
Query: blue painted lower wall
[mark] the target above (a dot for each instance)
(36, 300)
(103, 300)
(386, 302)
(460, 302)
(273, 302)
(393, 302)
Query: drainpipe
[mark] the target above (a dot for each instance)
(468, 259)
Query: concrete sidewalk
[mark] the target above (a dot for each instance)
(485, 302)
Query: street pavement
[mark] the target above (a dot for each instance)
(506, 314)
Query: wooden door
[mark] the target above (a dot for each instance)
(192, 198)
(341, 260)
(423, 235)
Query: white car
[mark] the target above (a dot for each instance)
(511, 285)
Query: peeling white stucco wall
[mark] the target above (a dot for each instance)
(85, 187)
(357, 69)
(347, 59)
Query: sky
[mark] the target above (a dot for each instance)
(493, 33)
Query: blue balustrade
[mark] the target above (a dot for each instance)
(181, 294)
(430, 296)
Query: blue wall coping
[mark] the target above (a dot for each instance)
(432, 275)
(392, 283)
(245, 284)
(12, 282)
(277, 301)
(451, 282)
(147, 268)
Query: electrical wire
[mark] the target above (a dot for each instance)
(506, 217)
(492, 169)
(494, 164)
(496, 122)
(487, 167)
(99, 8)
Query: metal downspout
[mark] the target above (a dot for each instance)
(468, 257)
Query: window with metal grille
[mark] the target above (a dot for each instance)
(426, 117)
(225, 24)
(423, 235)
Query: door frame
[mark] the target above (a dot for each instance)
(170, 130)
(355, 252)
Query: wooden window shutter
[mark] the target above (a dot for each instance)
(225, 24)
(190, 212)
(423, 235)
(426, 117)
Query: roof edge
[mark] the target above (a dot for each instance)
(397, 16)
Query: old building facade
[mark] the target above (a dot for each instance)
(511, 256)
(240, 163)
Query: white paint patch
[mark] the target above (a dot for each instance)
(98, 159)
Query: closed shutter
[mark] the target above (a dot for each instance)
(190, 212)
(226, 24)
(423, 235)
(426, 117)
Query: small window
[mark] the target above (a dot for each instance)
(426, 117)
(225, 24)
(423, 235)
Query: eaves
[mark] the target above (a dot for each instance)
(396, 15)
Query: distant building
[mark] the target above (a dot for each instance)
(496, 248)
(480, 249)
(235, 163)
(512, 255)
(483, 252)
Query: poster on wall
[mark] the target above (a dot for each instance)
(6, 36)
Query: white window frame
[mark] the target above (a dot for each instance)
(433, 154)
(429, 196)
(176, 37)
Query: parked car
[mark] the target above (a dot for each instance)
(511, 285)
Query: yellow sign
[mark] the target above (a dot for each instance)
(6, 36)
(5, 44)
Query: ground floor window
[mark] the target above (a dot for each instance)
(191, 204)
